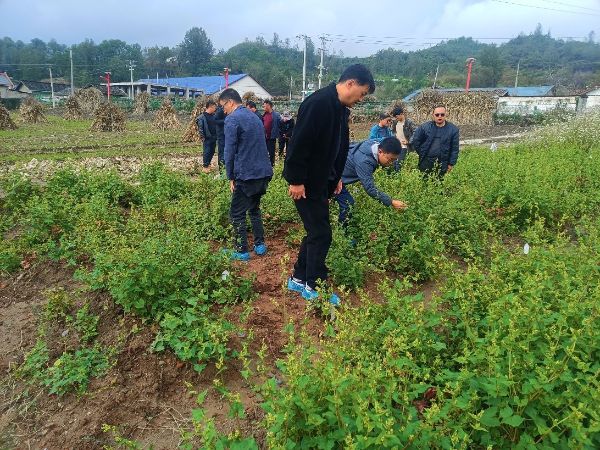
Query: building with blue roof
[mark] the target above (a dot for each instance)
(190, 87)
(521, 91)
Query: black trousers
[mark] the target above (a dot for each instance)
(310, 265)
(208, 151)
(283, 142)
(271, 148)
(221, 147)
(432, 167)
(246, 200)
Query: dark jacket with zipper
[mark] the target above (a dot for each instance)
(319, 145)
(207, 126)
(423, 137)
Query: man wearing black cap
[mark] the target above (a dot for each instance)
(403, 129)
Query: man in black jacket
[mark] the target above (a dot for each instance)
(208, 130)
(220, 121)
(437, 144)
(313, 167)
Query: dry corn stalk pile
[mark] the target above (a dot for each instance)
(250, 96)
(6, 122)
(89, 99)
(108, 117)
(73, 110)
(191, 132)
(32, 111)
(472, 108)
(141, 104)
(166, 117)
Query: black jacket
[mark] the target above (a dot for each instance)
(220, 121)
(319, 145)
(449, 147)
(207, 126)
(286, 127)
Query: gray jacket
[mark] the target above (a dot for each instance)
(361, 164)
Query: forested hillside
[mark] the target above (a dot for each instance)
(278, 63)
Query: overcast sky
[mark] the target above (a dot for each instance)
(407, 25)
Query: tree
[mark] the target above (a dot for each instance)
(490, 59)
(195, 52)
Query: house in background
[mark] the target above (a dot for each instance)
(521, 91)
(523, 100)
(42, 90)
(189, 87)
(590, 99)
(10, 89)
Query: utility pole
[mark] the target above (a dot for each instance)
(436, 74)
(291, 84)
(52, 88)
(226, 71)
(72, 85)
(305, 37)
(321, 66)
(131, 67)
(106, 78)
(517, 77)
(470, 62)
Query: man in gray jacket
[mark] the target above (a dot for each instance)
(363, 159)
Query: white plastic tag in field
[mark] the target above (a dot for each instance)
(493, 147)
(526, 248)
(225, 275)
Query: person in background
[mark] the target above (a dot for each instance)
(252, 107)
(286, 127)
(271, 119)
(220, 121)
(314, 163)
(248, 169)
(437, 144)
(381, 130)
(207, 128)
(363, 159)
(403, 129)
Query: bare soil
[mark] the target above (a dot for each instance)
(145, 394)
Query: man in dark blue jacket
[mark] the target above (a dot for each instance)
(248, 169)
(436, 143)
(363, 159)
(313, 167)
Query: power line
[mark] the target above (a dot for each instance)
(418, 40)
(573, 5)
(546, 8)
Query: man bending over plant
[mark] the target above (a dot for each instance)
(363, 159)
(248, 169)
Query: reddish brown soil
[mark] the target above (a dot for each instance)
(144, 394)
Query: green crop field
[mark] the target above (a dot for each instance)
(450, 334)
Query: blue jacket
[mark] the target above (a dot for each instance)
(423, 138)
(361, 164)
(380, 133)
(275, 127)
(246, 154)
